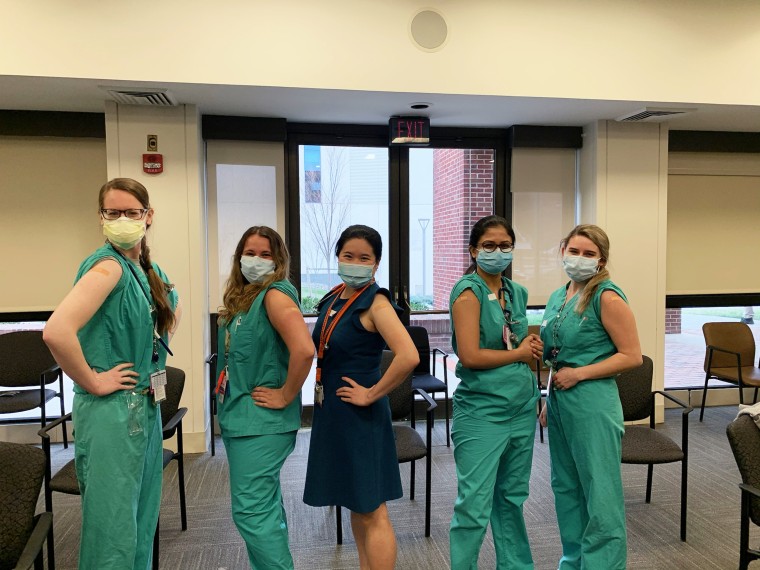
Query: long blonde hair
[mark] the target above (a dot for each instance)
(598, 236)
(239, 294)
(158, 288)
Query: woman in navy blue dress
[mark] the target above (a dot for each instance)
(352, 455)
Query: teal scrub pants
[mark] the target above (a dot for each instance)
(255, 462)
(585, 432)
(493, 462)
(120, 479)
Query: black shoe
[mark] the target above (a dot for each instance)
(748, 321)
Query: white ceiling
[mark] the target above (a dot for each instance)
(333, 106)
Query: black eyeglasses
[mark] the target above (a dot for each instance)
(131, 213)
(490, 247)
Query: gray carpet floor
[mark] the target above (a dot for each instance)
(212, 542)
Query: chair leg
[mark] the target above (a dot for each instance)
(339, 524)
(744, 557)
(540, 427)
(704, 397)
(448, 426)
(155, 546)
(754, 398)
(684, 481)
(51, 548)
(63, 411)
(428, 464)
(212, 406)
(411, 482)
(650, 468)
(180, 457)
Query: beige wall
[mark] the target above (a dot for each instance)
(627, 196)
(49, 216)
(589, 49)
(178, 235)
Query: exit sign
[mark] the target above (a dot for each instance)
(409, 131)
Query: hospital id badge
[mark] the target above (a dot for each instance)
(221, 385)
(158, 386)
(506, 336)
(319, 394)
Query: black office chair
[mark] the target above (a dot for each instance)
(744, 437)
(425, 380)
(409, 444)
(65, 479)
(26, 362)
(644, 445)
(22, 533)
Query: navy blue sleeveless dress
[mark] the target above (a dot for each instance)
(352, 455)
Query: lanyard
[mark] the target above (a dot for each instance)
(558, 320)
(326, 332)
(156, 336)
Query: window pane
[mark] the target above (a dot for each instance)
(338, 186)
(449, 190)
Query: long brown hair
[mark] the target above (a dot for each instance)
(239, 294)
(158, 288)
(598, 236)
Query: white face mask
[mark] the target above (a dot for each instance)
(255, 268)
(124, 233)
(580, 268)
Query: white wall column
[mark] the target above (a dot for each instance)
(177, 237)
(623, 189)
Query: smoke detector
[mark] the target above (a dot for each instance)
(654, 114)
(156, 97)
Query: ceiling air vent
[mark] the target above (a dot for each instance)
(145, 96)
(653, 114)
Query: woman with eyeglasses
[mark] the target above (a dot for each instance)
(590, 336)
(110, 334)
(494, 421)
(352, 454)
(265, 353)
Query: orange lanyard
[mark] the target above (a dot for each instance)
(327, 329)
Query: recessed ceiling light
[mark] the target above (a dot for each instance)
(421, 105)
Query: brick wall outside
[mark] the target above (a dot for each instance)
(462, 194)
(672, 321)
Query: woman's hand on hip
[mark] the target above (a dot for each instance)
(273, 398)
(354, 393)
(118, 378)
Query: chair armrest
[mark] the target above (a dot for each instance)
(175, 420)
(719, 349)
(687, 408)
(43, 433)
(712, 348)
(437, 351)
(432, 404)
(42, 523)
(54, 371)
(211, 359)
(746, 488)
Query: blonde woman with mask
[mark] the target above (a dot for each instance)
(265, 354)
(590, 336)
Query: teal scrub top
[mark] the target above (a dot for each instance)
(581, 339)
(258, 357)
(495, 394)
(121, 330)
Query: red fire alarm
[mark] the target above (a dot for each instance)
(153, 163)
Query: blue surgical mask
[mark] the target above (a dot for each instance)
(493, 262)
(255, 268)
(579, 268)
(355, 275)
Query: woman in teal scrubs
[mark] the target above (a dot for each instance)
(494, 404)
(265, 353)
(110, 335)
(590, 336)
